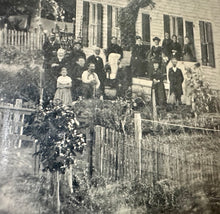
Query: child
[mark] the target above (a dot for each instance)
(63, 92)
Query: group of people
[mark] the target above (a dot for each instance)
(70, 75)
(152, 62)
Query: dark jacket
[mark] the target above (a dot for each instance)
(99, 66)
(176, 80)
(156, 53)
(188, 53)
(166, 47)
(138, 60)
(114, 48)
(177, 47)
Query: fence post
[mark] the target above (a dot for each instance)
(138, 137)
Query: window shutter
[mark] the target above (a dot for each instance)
(109, 30)
(203, 43)
(146, 29)
(211, 53)
(85, 24)
(166, 23)
(180, 30)
(99, 25)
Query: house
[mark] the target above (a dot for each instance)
(96, 22)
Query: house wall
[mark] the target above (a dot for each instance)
(189, 10)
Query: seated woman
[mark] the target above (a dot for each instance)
(158, 77)
(188, 51)
(63, 92)
(91, 82)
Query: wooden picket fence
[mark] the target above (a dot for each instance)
(21, 39)
(119, 157)
(12, 119)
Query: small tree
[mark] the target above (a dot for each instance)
(127, 21)
(55, 129)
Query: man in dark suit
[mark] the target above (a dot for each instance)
(50, 48)
(176, 79)
(176, 49)
(99, 67)
(114, 48)
(138, 58)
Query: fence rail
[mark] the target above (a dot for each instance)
(117, 157)
(21, 39)
(12, 119)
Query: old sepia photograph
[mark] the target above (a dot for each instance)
(109, 107)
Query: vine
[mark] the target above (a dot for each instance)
(127, 21)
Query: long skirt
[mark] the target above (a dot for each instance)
(64, 95)
(160, 93)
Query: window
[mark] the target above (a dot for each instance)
(166, 23)
(207, 46)
(99, 25)
(146, 29)
(85, 24)
(174, 25)
(109, 23)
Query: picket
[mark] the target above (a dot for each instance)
(119, 159)
(31, 40)
(12, 123)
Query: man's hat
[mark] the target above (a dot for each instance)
(156, 38)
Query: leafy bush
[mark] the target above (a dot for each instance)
(55, 129)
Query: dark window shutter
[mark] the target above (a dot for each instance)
(109, 30)
(85, 24)
(166, 23)
(210, 44)
(203, 43)
(99, 25)
(180, 30)
(190, 33)
(146, 29)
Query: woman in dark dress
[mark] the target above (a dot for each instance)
(157, 78)
(156, 51)
(188, 51)
(138, 58)
(176, 49)
(166, 46)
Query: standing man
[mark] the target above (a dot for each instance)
(50, 48)
(114, 54)
(138, 58)
(90, 82)
(99, 67)
(176, 79)
(76, 53)
(76, 75)
(114, 48)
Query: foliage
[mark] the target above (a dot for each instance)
(117, 114)
(127, 21)
(55, 129)
(20, 75)
(205, 99)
